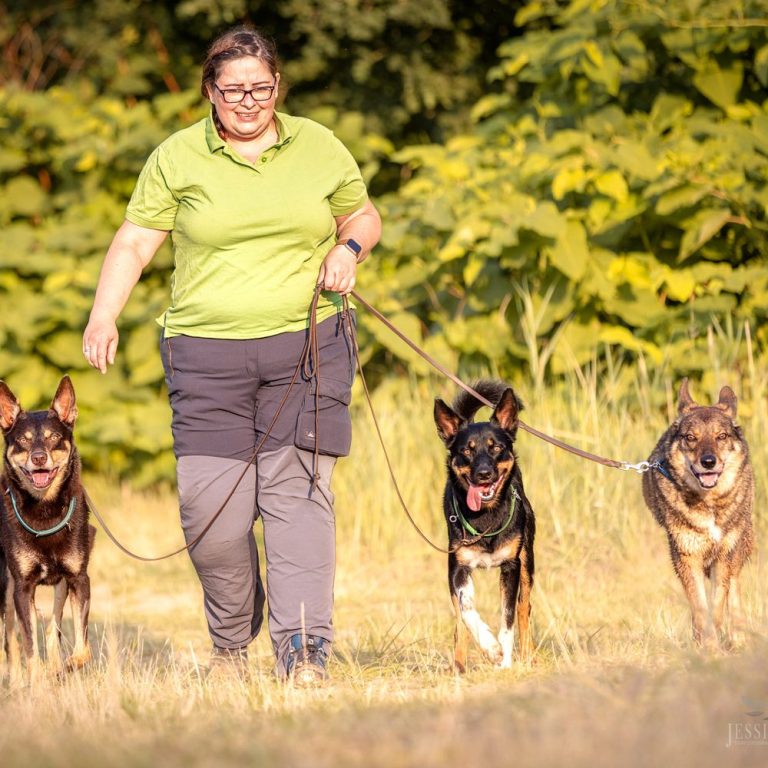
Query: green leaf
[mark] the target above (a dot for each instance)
(23, 196)
(473, 267)
(720, 86)
(683, 197)
(637, 307)
(483, 334)
(680, 284)
(11, 160)
(570, 252)
(620, 336)
(634, 270)
(546, 220)
(568, 180)
(700, 229)
(612, 184)
(636, 159)
(761, 66)
(607, 73)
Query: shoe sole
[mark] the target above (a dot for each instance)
(308, 678)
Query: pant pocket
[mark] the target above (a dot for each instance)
(324, 419)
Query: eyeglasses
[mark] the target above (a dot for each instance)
(236, 95)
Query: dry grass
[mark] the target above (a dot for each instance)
(616, 679)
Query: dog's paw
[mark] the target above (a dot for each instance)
(506, 641)
(78, 660)
(494, 652)
(736, 641)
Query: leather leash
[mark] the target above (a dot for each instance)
(642, 466)
(353, 340)
(309, 364)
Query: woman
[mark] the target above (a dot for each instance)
(262, 207)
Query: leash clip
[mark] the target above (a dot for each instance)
(640, 467)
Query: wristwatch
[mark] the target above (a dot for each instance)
(353, 246)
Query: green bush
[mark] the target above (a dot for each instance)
(607, 190)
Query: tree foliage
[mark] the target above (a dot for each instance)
(614, 190)
(570, 174)
(408, 69)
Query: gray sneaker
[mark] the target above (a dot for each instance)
(306, 663)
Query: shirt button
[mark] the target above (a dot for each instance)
(263, 159)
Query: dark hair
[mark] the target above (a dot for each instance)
(236, 43)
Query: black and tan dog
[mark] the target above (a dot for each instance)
(490, 521)
(700, 489)
(44, 532)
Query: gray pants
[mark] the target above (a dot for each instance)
(224, 395)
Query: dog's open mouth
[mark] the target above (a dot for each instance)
(707, 479)
(41, 478)
(477, 495)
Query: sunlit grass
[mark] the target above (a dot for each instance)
(615, 677)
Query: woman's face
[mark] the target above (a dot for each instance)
(248, 119)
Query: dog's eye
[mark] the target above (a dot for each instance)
(690, 437)
(722, 436)
(54, 436)
(466, 451)
(496, 449)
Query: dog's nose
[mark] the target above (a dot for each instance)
(39, 458)
(708, 461)
(483, 476)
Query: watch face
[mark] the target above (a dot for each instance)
(353, 246)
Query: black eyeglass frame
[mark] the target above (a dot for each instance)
(244, 91)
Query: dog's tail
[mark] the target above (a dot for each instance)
(466, 405)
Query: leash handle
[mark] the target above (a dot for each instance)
(456, 380)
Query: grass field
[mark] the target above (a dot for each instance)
(615, 681)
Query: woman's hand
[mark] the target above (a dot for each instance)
(131, 250)
(100, 343)
(338, 270)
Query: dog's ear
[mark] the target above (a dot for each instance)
(684, 402)
(63, 404)
(9, 407)
(506, 411)
(728, 401)
(448, 422)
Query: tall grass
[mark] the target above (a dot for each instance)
(616, 677)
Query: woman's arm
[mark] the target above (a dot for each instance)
(131, 250)
(340, 265)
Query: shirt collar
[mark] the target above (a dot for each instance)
(215, 142)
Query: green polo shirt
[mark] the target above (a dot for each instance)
(248, 238)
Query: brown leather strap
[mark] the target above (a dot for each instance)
(464, 542)
(442, 369)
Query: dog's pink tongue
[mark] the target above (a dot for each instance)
(474, 502)
(40, 479)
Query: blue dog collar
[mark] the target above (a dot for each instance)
(48, 531)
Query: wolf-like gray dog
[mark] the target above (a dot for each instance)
(700, 489)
